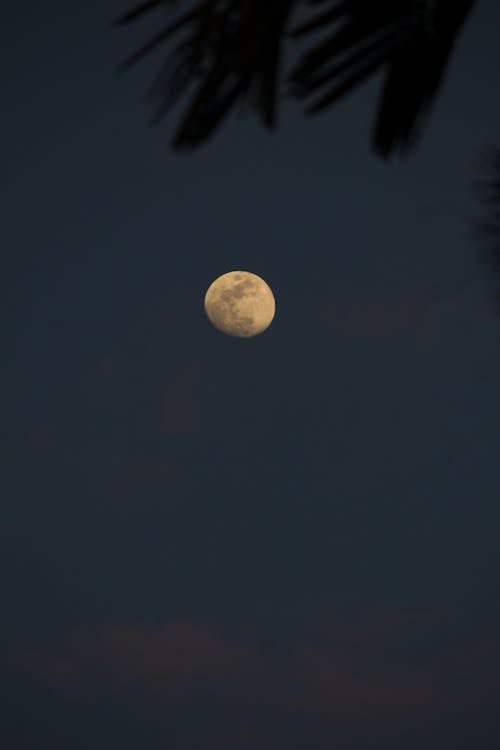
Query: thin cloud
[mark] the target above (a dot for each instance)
(178, 659)
(347, 679)
(179, 410)
(421, 312)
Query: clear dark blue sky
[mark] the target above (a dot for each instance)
(278, 543)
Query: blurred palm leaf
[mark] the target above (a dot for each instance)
(491, 190)
(489, 227)
(232, 49)
(232, 52)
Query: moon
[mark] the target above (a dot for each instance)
(240, 303)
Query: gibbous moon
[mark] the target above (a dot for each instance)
(240, 304)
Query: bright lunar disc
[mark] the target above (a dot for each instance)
(240, 304)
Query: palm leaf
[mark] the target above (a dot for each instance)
(232, 54)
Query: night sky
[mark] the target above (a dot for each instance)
(283, 542)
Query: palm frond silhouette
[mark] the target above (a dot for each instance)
(231, 52)
(489, 227)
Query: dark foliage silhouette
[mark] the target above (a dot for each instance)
(491, 192)
(489, 227)
(231, 53)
